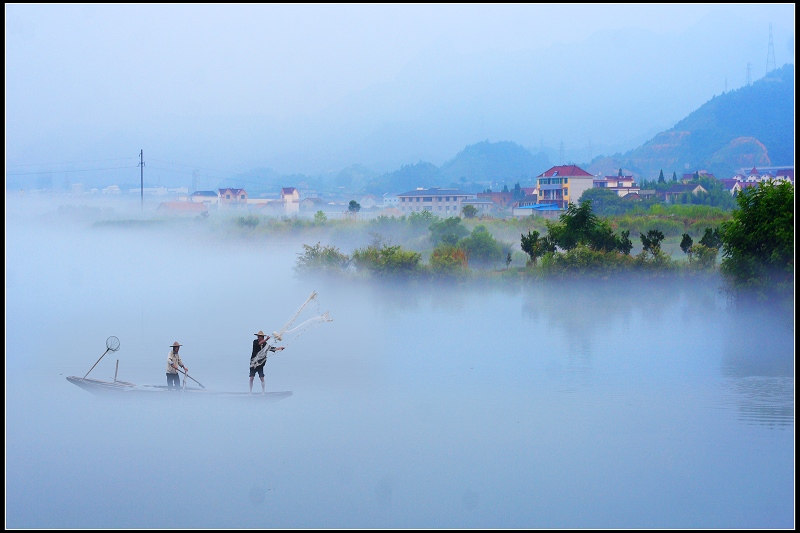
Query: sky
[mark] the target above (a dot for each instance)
(315, 88)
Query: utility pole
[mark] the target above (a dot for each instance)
(748, 74)
(141, 177)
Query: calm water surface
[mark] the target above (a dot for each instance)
(562, 404)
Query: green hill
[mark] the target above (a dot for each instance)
(751, 126)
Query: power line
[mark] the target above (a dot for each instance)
(65, 171)
(71, 162)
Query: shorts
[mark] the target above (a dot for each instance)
(259, 369)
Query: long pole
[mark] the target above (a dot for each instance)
(141, 177)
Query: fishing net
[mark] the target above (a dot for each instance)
(312, 315)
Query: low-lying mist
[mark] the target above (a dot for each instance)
(612, 403)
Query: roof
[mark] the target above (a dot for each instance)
(541, 207)
(570, 171)
(205, 193)
(288, 190)
(234, 191)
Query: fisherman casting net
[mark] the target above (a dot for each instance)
(311, 315)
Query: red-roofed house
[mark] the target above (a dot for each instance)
(563, 184)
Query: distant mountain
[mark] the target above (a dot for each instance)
(751, 126)
(478, 166)
(406, 178)
(495, 163)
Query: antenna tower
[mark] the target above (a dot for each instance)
(770, 52)
(748, 75)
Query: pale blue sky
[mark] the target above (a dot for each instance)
(314, 88)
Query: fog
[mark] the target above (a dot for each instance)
(314, 88)
(612, 404)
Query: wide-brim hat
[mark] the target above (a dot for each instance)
(176, 344)
(261, 334)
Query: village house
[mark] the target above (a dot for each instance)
(563, 184)
(440, 202)
(671, 194)
(207, 198)
(232, 198)
(291, 200)
(622, 185)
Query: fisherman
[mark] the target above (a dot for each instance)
(257, 363)
(173, 362)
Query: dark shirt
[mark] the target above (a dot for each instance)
(257, 348)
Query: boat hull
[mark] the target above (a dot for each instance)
(125, 389)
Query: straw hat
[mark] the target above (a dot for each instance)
(261, 334)
(175, 344)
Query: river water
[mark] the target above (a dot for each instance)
(612, 404)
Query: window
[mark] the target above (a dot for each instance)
(227, 196)
(243, 197)
(427, 199)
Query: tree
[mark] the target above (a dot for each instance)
(532, 245)
(469, 211)
(320, 218)
(674, 176)
(354, 207)
(661, 176)
(448, 261)
(686, 243)
(447, 231)
(505, 188)
(652, 241)
(711, 238)
(758, 241)
(481, 247)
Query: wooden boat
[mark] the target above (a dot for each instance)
(123, 388)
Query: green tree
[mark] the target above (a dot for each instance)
(686, 243)
(353, 207)
(469, 211)
(674, 176)
(321, 258)
(651, 242)
(758, 241)
(533, 245)
(661, 176)
(320, 218)
(448, 231)
(711, 238)
(387, 261)
(481, 247)
(448, 261)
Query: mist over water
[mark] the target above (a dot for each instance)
(559, 404)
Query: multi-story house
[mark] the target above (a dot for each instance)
(563, 184)
(622, 185)
(232, 197)
(440, 202)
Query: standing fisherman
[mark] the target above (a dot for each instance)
(173, 362)
(259, 358)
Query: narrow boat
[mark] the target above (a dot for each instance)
(121, 388)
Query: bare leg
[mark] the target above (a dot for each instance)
(263, 386)
(251, 385)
